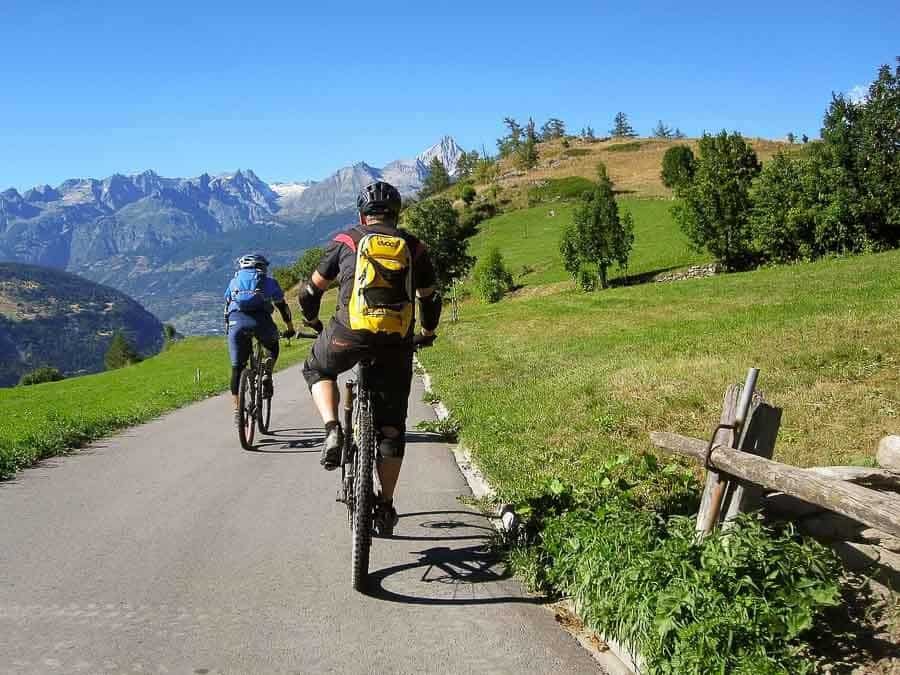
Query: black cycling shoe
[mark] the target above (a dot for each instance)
(268, 389)
(386, 518)
(331, 449)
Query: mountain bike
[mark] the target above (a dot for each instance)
(359, 457)
(254, 407)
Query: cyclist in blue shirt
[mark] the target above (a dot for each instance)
(250, 299)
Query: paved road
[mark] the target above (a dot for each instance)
(168, 549)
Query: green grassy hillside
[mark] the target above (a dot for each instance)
(554, 383)
(47, 419)
(529, 240)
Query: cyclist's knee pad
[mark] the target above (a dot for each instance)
(392, 447)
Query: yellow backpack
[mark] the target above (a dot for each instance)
(382, 299)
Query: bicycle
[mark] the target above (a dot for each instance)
(254, 408)
(359, 457)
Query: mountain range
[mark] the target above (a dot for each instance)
(171, 243)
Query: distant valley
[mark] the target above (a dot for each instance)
(171, 242)
(53, 318)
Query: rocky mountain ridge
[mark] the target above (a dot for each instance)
(171, 242)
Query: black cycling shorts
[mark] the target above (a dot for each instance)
(338, 349)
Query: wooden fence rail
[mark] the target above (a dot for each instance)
(880, 510)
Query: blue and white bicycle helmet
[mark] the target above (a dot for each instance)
(254, 261)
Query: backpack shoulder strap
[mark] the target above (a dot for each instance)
(350, 238)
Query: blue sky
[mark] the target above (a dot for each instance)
(295, 91)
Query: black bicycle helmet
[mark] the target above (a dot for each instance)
(379, 198)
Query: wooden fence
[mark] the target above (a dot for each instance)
(740, 469)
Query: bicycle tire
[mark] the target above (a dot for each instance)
(263, 409)
(362, 489)
(247, 408)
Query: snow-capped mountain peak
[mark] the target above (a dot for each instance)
(446, 150)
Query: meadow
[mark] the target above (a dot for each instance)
(556, 381)
(42, 420)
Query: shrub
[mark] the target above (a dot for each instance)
(492, 279)
(120, 352)
(625, 147)
(738, 601)
(467, 193)
(677, 167)
(39, 375)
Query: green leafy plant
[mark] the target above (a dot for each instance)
(39, 375)
(491, 277)
(447, 428)
(738, 601)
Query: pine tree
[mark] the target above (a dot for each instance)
(553, 129)
(510, 143)
(661, 130)
(527, 155)
(621, 127)
(120, 352)
(597, 236)
(437, 179)
(679, 133)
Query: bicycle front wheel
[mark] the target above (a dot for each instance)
(362, 493)
(247, 403)
(263, 408)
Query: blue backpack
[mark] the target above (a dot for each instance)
(246, 290)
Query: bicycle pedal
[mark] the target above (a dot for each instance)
(339, 497)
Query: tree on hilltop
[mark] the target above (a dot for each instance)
(553, 129)
(662, 131)
(527, 155)
(510, 143)
(587, 133)
(466, 163)
(621, 127)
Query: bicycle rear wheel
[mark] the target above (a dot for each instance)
(247, 403)
(361, 520)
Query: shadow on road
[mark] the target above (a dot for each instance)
(290, 441)
(460, 575)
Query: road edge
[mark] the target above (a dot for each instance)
(608, 654)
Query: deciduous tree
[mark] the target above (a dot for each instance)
(436, 223)
(713, 208)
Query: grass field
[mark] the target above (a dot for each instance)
(530, 237)
(555, 382)
(47, 419)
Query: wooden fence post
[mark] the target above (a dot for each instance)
(714, 490)
(762, 431)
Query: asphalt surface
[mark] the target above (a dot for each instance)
(168, 549)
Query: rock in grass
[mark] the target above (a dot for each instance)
(888, 455)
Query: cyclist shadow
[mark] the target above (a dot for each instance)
(471, 574)
(290, 441)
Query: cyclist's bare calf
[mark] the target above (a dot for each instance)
(326, 396)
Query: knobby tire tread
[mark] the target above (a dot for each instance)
(362, 498)
(247, 427)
